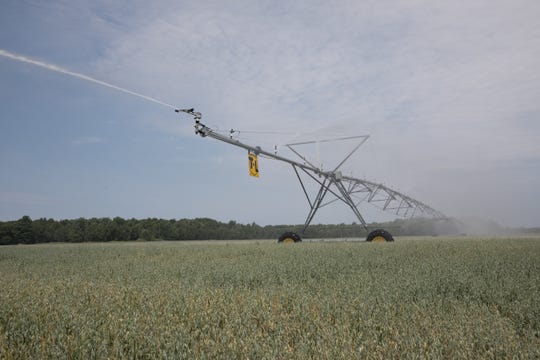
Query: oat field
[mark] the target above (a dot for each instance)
(415, 298)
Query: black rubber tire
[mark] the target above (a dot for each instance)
(379, 234)
(289, 237)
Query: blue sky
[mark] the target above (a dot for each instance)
(448, 92)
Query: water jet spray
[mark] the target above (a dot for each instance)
(61, 70)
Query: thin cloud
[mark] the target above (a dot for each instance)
(23, 198)
(88, 140)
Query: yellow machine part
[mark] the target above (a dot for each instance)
(253, 164)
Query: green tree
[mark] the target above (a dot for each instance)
(23, 233)
(6, 234)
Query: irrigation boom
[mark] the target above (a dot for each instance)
(351, 191)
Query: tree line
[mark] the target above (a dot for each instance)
(28, 231)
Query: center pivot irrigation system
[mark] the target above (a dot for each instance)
(350, 190)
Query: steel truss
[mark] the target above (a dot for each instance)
(351, 191)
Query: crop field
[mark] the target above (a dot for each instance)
(415, 298)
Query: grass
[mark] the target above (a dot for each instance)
(434, 298)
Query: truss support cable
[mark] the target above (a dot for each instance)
(316, 204)
(349, 201)
(302, 184)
